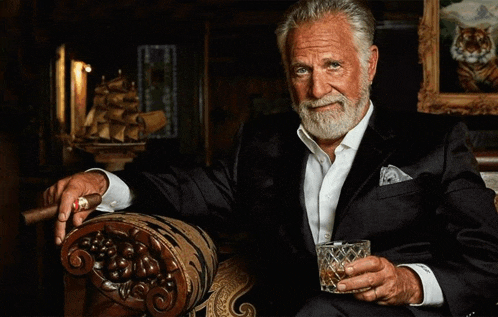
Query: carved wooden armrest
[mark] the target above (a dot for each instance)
(491, 180)
(140, 264)
(231, 282)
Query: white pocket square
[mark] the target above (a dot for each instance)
(392, 175)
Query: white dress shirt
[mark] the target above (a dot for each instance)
(322, 187)
(323, 179)
(323, 182)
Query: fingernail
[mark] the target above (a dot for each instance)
(58, 240)
(62, 217)
(341, 287)
(349, 270)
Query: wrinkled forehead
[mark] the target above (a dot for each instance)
(333, 30)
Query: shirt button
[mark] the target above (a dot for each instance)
(113, 204)
(327, 236)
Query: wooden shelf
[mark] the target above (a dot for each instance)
(113, 155)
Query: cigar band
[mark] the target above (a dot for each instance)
(81, 204)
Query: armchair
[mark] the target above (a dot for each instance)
(128, 264)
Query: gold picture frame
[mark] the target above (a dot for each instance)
(430, 98)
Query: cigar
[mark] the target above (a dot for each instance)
(36, 215)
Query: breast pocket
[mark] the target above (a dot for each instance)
(399, 189)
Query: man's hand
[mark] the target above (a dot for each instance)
(388, 284)
(66, 191)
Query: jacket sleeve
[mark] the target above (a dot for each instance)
(201, 195)
(469, 275)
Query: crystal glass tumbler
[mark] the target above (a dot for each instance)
(333, 256)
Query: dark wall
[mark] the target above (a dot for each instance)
(245, 72)
(399, 74)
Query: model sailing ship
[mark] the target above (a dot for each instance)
(115, 129)
(115, 116)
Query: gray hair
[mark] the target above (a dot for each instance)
(357, 13)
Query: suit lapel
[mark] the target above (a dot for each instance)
(375, 148)
(305, 227)
(302, 232)
(294, 224)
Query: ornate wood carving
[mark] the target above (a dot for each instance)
(430, 99)
(148, 264)
(491, 180)
(231, 282)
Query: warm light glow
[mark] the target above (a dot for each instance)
(78, 95)
(60, 79)
(88, 68)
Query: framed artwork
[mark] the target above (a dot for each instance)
(157, 85)
(458, 54)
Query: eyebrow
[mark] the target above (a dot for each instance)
(332, 60)
(299, 64)
(325, 61)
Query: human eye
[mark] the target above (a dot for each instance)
(334, 65)
(300, 70)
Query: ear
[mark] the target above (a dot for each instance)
(372, 62)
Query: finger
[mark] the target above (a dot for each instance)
(359, 282)
(65, 209)
(49, 196)
(61, 188)
(52, 194)
(60, 231)
(364, 265)
(66, 204)
(79, 217)
(386, 300)
(384, 303)
(46, 197)
(370, 295)
(376, 295)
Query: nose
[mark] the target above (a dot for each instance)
(320, 87)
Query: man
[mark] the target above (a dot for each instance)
(408, 184)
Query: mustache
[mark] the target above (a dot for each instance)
(326, 100)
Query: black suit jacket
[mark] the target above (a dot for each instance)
(444, 217)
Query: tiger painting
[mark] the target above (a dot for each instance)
(475, 51)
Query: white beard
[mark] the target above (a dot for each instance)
(333, 124)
